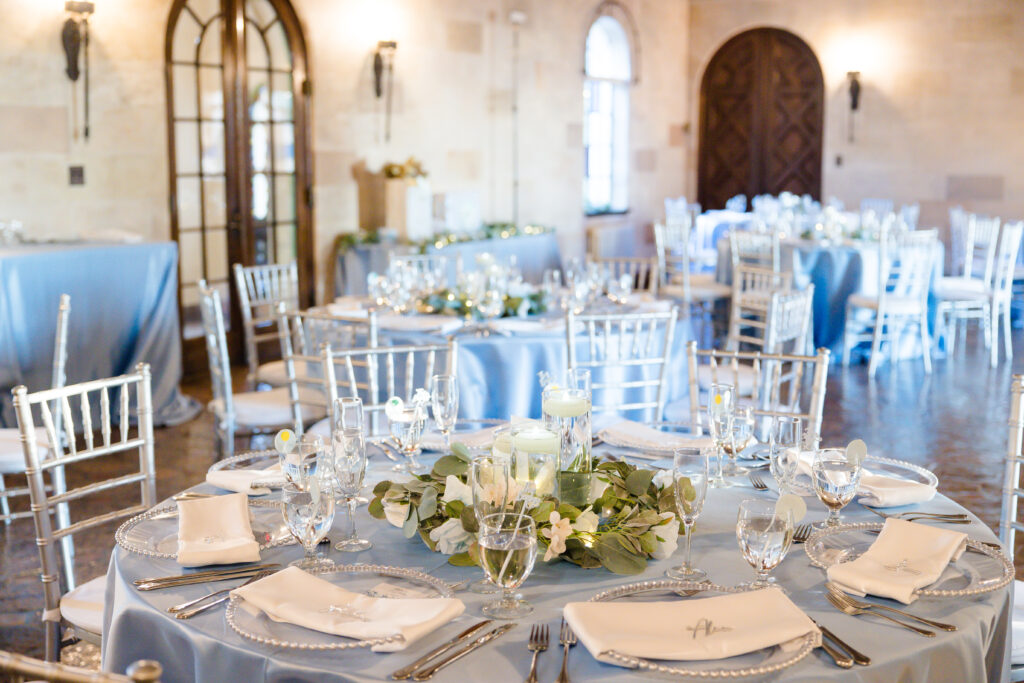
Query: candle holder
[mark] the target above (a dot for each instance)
(567, 414)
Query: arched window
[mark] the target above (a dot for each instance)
(609, 73)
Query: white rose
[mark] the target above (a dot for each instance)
(597, 488)
(668, 535)
(456, 490)
(396, 513)
(451, 538)
(586, 522)
(662, 479)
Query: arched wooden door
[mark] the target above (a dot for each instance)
(240, 180)
(761, 119)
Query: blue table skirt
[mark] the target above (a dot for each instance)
(124, 310)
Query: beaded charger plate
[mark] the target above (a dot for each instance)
(358, 578)
(982, 569)
(154, 533)
(876, 464)
(252, 460)
(758, 663)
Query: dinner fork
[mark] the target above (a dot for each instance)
(948, 518)
(567, 638)
(757, 482)
(802, 533)
(863, 604)
(538, 643)
(185, 613)
(847, 608)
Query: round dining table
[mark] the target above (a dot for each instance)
(204, 648)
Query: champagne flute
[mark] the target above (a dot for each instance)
(407, 430)
(489, 480)
(835, 480)
(508, 549)
(309, 514)
(348, 414)
(444, 400)
(349, 470)
(304, 460)
(739, 436)
(690, 483)
(721, 399)
(764, 536)
(784, 451)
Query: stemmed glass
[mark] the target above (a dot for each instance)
(835, 480)
(444, 400)
(721, 400)
(764, 535)
(739, 436)
(309, 512)
(508, 549)
(784, 451)
(349, 470)
(690, 482)
(407, 430)
(489, 480)
(304, 460)
(348, 414)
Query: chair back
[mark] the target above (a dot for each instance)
(22, 667)
(116, 404)
(957, 239)
(217, 348)
(783, 384)
(906, 266)
(628, 357)
(758, 249)
(643, 272)
(789, 321)
(981, 244)
(260, 288)
(1013, 488)
(1005, 262)
(752, 287)
(909, 214)
(377, 374)
(672, 248)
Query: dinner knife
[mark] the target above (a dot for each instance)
(407, 671)
(858, 657)
(202, 574)
(424, 674)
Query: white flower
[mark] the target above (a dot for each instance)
(662, 479)
(396, 513)
(667, 535)
(597, 488)
(451, 538)
(559, 530)
(586, 521)
(394, 407)
(456, 490)
(524, 308)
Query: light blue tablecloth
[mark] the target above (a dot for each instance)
(205, 649)
(124, 310)
(534, 254)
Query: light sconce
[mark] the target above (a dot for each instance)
(75, 37)
(854, 78)
(384, 60)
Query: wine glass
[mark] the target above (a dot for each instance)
(835, 481)
(489, 481)
(348, 414)
(690, 482)
(508, 549)
(721, 400)
(739, 436)
(349, 470)
(784, 451)
(407, 430)
(764, 535)
(304, 460)
(444, 400)
(309, 513)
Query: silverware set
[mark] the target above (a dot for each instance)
(187, 610)
(854, 607)
(917, 516)
(757, 482)
(416, 670)
(202, 577)
(567, 638)
(855, 656)
(802, 532)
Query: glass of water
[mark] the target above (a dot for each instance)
(309, 514)
(407, 430)
(835, 481)
(721, 402)
(489, 480)
(764, 537)
(690, 481)
(304, 460)
(739, 437)
(508, 549)
(784, 451)
(349, 470)
(444, 400)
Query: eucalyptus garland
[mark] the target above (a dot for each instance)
(448, 301)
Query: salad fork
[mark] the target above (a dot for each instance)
(863, 604)
(847, 608)
(567, 638)
(802, 533)
(948, 518)
(538, 643)
(757, 482)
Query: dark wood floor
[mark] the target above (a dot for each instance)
(954, 422)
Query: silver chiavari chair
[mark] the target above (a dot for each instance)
(783, 384)
(966, 296)
(82, 605)
(302, 336)
(21, 668)
(628, 357)
(377, 374)
(757, 249)
(752, 290)
(643, 272)
(243, 413)
(1001, 295)
(260, 288)
(696, 292)
(1010, 524)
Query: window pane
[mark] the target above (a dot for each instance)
(607, 52)
(284, 199)
(186, 147)
(188, 203)
(209, 49)
(214, 198)
(211, 92)
(213, 148)
(255, 48)
(183, 81)
(285, 243)
(281, 99)
(260, 197)
(216, 254)
(284, 148)
(190, 253)
(186, 37)
(606, 146)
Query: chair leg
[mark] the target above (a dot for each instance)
(876, 346)
(994, 351)
(1007, 342)
(52, 641)
(926, 342)
(229, 441)
(5, 505)
(846, 339)
(986, 325)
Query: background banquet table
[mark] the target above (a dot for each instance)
(125, 295)
(206, 649)
(534, 254)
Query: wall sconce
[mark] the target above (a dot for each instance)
(74, 37)
(854, 78)
(384, 59)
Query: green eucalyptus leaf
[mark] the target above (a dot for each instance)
(614, 557)
(460, 451)
(462, 560)
(381, 488)
(648, 542)
(567, 511)
(542, 513)
(425, 535)
(411, 524)
(638, 481)
(428, 503)
(450, 465)
(468, 519)
(454, 508)
(376, 508)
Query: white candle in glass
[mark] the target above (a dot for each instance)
(567, 403)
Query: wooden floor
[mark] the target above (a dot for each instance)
(953, 422)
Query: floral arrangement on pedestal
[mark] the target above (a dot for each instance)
(631, 517)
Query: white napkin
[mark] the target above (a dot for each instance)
(879, 490)
(419, 323)
(215, 531)
(344, 307)
(295, 597)
(249, 482)
(629, 434)
(905, 556)
(690, 630)
(528, 326)
(433, 440)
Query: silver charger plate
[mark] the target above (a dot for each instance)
(983, 570)
(875, 464)
(759, 663)
(358, 578)
(252, 460)
(154, 533)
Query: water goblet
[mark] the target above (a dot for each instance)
(508, 549)
(309, 514)
(739, 437)
(407, 430)
(721, 400)
(304, 460)
(348, 413)
(491, 485)
(835, 480)
(784, 451)
(444, 400)
(349, 471)
(764, 536)
(690, 484)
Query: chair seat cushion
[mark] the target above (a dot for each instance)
(275, 373)
(702, 288)
(1017, 624)
(12, 457)
(321, 428)
(744, 377)
(894, 304)
(961, 289)
(270, 408)
(83, 606)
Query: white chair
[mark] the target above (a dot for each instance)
(377, 374)
(696, 292)
(758, 249)
(905, 265)
(22, 667)
(82, 606)
(628, 357)
(881, 207)
(737, 203)
(784, 384)
(752, 289)
(1001, 294)
(685, 215)
(966, 296)
(260, 288)
(243, 413)
(643, 271)
(909, 214)
(957, 239)
(1010, 524)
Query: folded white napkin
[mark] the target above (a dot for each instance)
(629, 434)
(433, 440)
(347, 309)
(690, 630)
(249, 482)
(420, 323)
(295, 597)
(215, 531)
(528, 326)
(879, 490)
(905, 556)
